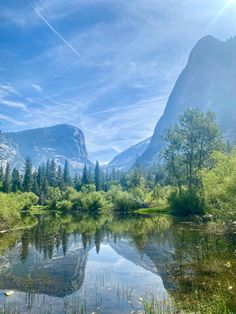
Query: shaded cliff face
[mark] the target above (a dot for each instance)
(60, 142)
(126, 159)
(207, 82)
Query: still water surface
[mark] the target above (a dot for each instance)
(110, 264)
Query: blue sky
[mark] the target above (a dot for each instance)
(105, 66)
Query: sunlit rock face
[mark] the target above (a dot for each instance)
(126, 159)
(207, 82)
(9, 152)
(61, 142)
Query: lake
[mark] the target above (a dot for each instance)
(85, 263)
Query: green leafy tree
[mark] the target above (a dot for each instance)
(189, 146)
(219, 185)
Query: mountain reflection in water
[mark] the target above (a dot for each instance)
(106, 262)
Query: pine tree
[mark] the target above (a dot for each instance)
(16, 181)
(66, 174)
(97, 176)
(85, 175)
(40, 175)
(52, 174)
(35, 187)
(47, 170)
(6, 187)
(60, 179)
(1, 176)
(28, 177)
(43, 195)
(90, 175)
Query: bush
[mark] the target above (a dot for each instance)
(11, 206)
(125, 201)
(64, 205)
(186, 204)
(93, 201)
(54, 196)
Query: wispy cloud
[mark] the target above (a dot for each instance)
(8, 91)
(37, 87)
(13, 104)
(57, 34)
(109, 68)
(11, 120)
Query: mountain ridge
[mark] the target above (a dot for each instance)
(59, 142)
(208, 82)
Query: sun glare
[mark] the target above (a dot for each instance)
(231, 2)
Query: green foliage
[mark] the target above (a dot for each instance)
(54, 196)
(16, 181)
(6, 186)
(187, 203)
(159, 196)
(66, 174)
(189, 145)
(11, 206)
(122, 200)
(219, 185)
(64, 205)
(28, 177)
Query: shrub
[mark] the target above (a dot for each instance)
(186, 204)
(11, 206)
(64, 205)
(93, 201)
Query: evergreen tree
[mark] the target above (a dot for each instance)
(43, 195)
(60, 179)
(97, 176)
(35, 187)
(90, 175)
(6, 187)
(47, 170)
(77, 182)
(52, 174)
(28, 177)
(85, 175)
(40, 176)
(66, 174)
(1, 176)
(15, 181)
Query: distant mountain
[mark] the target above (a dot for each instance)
(126, 159)
(207, 82)
(61, 142)
(9, 152)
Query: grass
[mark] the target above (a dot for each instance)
(153, 211)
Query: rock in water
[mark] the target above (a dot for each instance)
(8, 293)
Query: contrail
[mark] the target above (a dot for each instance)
(57, 34)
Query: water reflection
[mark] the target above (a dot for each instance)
(106, 258)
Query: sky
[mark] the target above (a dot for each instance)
(105, 66)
